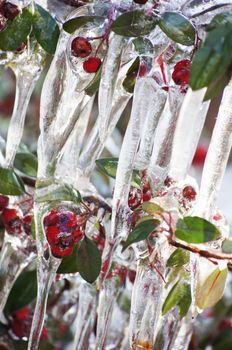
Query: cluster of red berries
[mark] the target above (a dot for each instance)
(7, 11)
(82, 48)
(21, 324)
(13, 222)
(63, 228)
(181, 72)
(137, 196)
(189, 193)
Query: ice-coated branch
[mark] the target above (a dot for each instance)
(191, 118)
(217, 157)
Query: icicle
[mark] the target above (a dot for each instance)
(94, 145)
(26, 78)
(184, 336)
(108, 79)
(217, 157)
(164, 133)
(192, 117)
(86, 315)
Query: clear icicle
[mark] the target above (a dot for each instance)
(86, 315)
(164, 133)
(108, 80)
(94, 145)
(217, 157)
(107, 297)
(27, 74)
(192, 118)
(184, 336)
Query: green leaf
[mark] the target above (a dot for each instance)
(143, 46)
(178, 28)
(86, 259)
(130, 79)
(10, 183)
(179, 295)
(45, 29)
(141, 232)
(152, 208)
(23, 292)
(27, 163)
(193, 229)
(212, 60)
(64, 192)
(73, 24)
(222, 19)
(134, 23)
(108, 166)
(93, 86)
(223, 340)
(217, 86)
(16, 31)
(227, 246)
(178, 258)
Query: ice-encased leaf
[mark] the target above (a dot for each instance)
(227, 246)
(129, 81)
(152, 208)
(64, 192)
(178, 28)
(16, 31)
(27, 163)
(141, 232)
(179, 295)
(10, 183)
(193, 229)
(134, 23)
(73, 24)
(178, 258)
(45, 29)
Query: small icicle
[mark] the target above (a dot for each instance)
(192, 118)
(217, 157)
(86, 315)
(108, 79)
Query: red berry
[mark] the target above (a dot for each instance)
(181, 71)
(168, 181)
(4, 201)
(9, 10)
(189, 193)
(2, 22)
(92, 65)
(11, 221)
(27, 223)
(140, 2)
(200, 155)
(81, 47)
(135, 198)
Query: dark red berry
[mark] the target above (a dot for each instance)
(9, 10)
(81, 47)
(12, 221)
(3, 21)
(140, 2)
(27, 223)
(4, 201)
(21, 48)
(181, 72)
(189, 193)
(168, 181)
(92, 65)
(135, 198)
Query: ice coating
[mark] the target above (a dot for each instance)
(192, 118)
(217, 157)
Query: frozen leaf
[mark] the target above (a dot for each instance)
(143, 46)
(227, 246)
(10, 183)
(73, 24)
(152, 208)
(178, 258)
(45, 29)
(193, 229)
(16, 31)
(178, 28)
(64, 192)
(141, 232)
(179, 295)
(217, 86)
(23, 292)
(93, 86)
(134, 23)
(210, 283)
(27, 163)
(129, 81)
